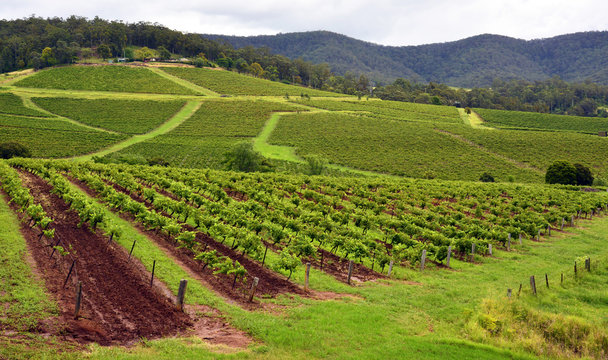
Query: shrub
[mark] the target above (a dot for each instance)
(485, 177)
(561, 172)
(583, 175)
(13, 149)
(242, 157)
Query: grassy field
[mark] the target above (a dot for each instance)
(103, 78)
(122, 116)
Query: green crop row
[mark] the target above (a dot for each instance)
(231, 83)
(538, 121)
(394, 147)
(13, 104)
(123, 116)
(103, 78)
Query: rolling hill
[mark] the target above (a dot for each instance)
(470, 62)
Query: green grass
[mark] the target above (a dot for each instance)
(116, 78)
(394, 147)
(13, 104)
(232, 83)
(54, 137)
(23, 301)
(122, 116)
(537, 121)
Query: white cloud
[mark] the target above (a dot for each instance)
(389, 22)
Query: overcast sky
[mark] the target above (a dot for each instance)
(388, 22)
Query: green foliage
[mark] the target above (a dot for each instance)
(486, 177)
(12, 149)
(123, 116)
(117, 78)
(561, 172)
(232, 83)
(316, 164)
(242, 157)
(13, 104)
(287, 261)
(583, 175)
(530, 120)
(54, 138)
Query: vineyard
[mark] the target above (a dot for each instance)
(528, 120)
(413, 256)
(229, 83)
(103, 78)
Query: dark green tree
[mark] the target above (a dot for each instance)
(13, 149)
(561, 172)
(104, 51)
(486, 177)
(242, 157)
(316, 164)
(583, 175)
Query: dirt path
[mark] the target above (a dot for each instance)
(119, 306)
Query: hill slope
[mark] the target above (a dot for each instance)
(470, 62)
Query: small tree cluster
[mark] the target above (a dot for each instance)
(562, 172)
(13, 149)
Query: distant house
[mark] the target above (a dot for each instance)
(121, 60)
(603, 133)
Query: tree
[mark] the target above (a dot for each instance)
(13, 149)
(256, 70)
(47, 57)
(103, 50)
(242, 157)
(163, 53)
(486, 177)
(561, 172)
(144, 53)
(583, 175)
(316, 164)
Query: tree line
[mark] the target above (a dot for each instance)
(35, 42)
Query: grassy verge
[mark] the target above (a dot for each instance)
(23, 301)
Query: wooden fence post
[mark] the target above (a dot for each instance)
(562, 227)
(562, 281)
(509, 293)
(588, 264)
(447, 262)
(153, 268)
(69, 273)
(519, 291)
(390, 268)
(490, 249)
(422, 259)
(306, 279)
(132, 247)
(520, 239)
(472, 252)
(350, 271)
(78, 300)
(549, 230)
(533, 284)
(538, 235)
(254, 286)
(572, 220)
(181, 293)
(509, 242)
(547, 280)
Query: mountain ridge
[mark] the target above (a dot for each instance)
(470, 62)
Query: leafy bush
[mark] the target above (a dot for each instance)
(583, 175)
(561, 172)
(12, 149)
(485, 177)
(242, 157)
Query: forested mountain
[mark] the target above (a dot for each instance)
(471, 62)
